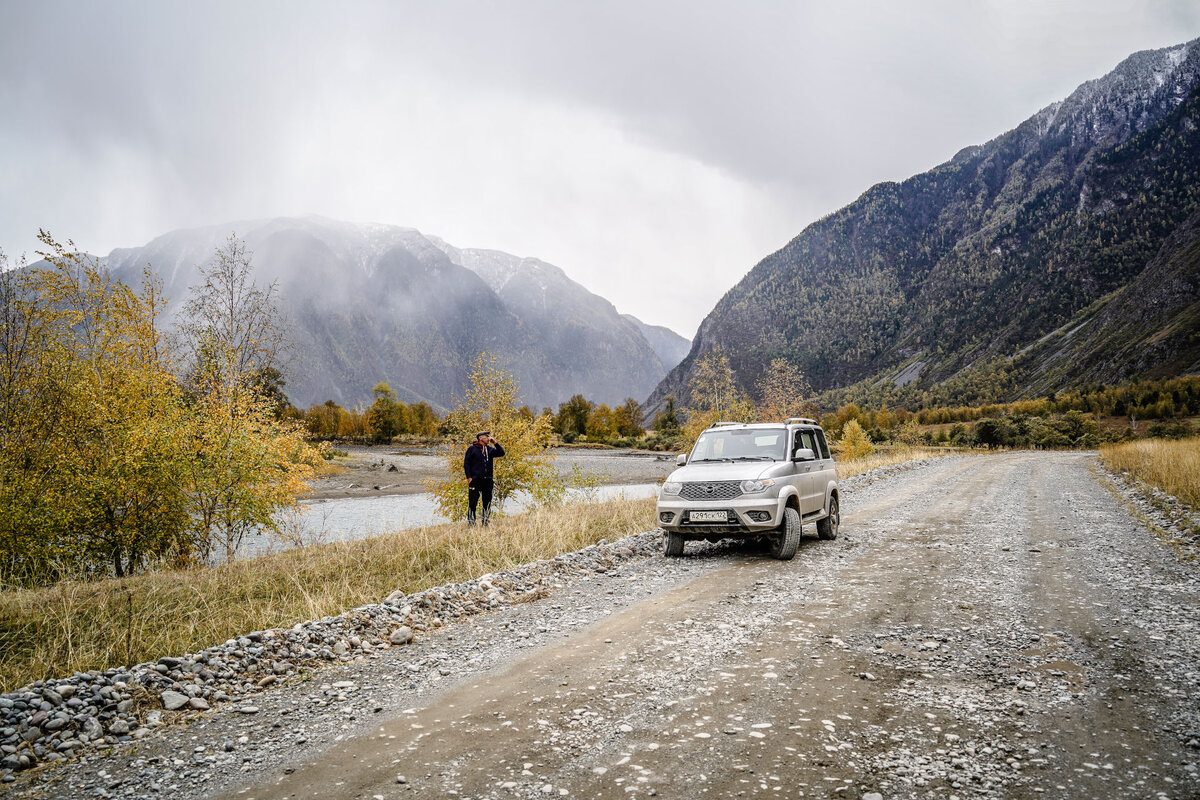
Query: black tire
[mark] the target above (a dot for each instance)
(827, 528)
(787, 541)
(674, 544)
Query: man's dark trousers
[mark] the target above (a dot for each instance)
(479, 488)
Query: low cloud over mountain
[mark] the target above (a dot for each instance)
(370, 303)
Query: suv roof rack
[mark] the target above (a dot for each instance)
(802, 420)
(725, 424)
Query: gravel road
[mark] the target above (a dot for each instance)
(996, 626)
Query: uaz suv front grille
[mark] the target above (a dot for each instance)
(714, 490)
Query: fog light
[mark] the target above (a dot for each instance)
(666, 516)
(759, 516)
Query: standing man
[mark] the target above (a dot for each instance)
(477, 464)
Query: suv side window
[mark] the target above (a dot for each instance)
(804, 438)
(824, 451)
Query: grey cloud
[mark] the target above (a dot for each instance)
(123, 119)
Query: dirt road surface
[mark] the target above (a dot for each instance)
(983, 627)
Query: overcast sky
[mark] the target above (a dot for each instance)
(654, 150)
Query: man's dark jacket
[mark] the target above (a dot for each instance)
(478, 464)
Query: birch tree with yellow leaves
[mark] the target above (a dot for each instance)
(108, 466)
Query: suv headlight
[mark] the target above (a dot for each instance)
(672, 488)
(751, 487)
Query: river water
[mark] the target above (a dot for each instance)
(350, 518)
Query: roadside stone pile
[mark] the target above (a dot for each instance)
(51, 720)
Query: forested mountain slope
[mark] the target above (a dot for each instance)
(964, 267)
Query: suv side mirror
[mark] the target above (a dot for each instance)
(681, 460)
(804, 454)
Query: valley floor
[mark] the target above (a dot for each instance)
(992, 626)
(393, 470)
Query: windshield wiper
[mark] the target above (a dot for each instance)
(712, 459)
(754, 458)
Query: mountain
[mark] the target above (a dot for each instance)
(370, 303)
(1148, 328)
(987, 265)
(669, 345)
(578, 331)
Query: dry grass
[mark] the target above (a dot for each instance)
(1173, 466)
(885, 458)
(72, 626)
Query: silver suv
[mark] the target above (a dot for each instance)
(761, 481)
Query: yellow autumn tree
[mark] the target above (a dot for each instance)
(34, 522)
(854, 442)
(601, 424)
(783, 392)
(491, 403)
(108, 465)
(715, 396)
(246, 464)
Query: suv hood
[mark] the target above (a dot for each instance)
(730, 471)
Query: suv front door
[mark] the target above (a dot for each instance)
(826, 472)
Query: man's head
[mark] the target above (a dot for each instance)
(483, 438)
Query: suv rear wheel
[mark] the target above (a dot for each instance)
(828, 528)
(788, 539)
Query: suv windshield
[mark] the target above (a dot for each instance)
(741, 444)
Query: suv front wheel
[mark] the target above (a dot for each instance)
(674, 544)
(787, 541)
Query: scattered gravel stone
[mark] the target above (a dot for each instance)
(173, 701)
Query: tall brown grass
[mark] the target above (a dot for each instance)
(57, 630)
(1173, 466)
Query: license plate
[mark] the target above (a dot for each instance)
(708, 516)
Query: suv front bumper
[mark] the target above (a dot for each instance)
(746, 514)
